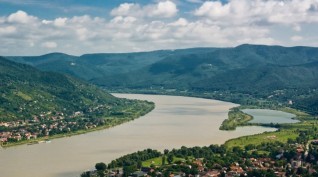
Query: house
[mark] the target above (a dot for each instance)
(5, 124)
(300, 149)
(280, 174)
(213, 173)
(17, 137)
(200, 165)
(27, 136)
(296, 163)
(3, 140)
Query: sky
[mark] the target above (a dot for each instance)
(76, 27)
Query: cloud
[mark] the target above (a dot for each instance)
(163, 9)
(7, 30)
(260, 11)
(21, 17)
(213, 9)
(49, 45)
(142, 27)
(59, 22)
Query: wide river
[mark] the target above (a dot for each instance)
(176, 121)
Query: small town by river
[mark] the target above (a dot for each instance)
(176, 121)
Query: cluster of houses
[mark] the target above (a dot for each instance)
(234, 170)
(41, 126)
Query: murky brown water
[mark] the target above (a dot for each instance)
(175, 121)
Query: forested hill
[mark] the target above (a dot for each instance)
(285, 73)
(27, 92)
(100, 65)
(269, 67)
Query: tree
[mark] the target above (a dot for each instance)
(86, 174)
(170, 158)
(129, 169)
(163, 162)
(139, 164)
(166, 151)
(100, 173)
(100, 166)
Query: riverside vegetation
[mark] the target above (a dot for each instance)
(290, 151)
(36, 105)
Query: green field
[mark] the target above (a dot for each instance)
(158, 161)
(281, 136)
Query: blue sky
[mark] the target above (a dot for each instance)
(69, 8)
(34, 27)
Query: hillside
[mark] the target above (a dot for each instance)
(100, 65)
(230, 67)
(257, 71)
(254, 71)
(27, 93)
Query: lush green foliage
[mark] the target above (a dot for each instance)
(235, 118)
(134, 158)
(27, 92)
(275, 73)
(100, 166)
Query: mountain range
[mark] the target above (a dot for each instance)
(253, 69)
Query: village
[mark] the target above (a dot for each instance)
(296, 160)
(45, 125)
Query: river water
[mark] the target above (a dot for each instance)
(175, 121)
(270, 116)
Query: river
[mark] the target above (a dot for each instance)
(175, 121)
(267, 116)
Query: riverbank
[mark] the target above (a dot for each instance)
(110, 122)
(22, 142)
(235, 118)
(287, 132)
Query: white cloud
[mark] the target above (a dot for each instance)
(163, 9)
(180, 22)
(8, 30)
(213, 9)
(260, 11)
(125, 9)
(59, 22)
(21, 17)
(49, 45)
(135, 27)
